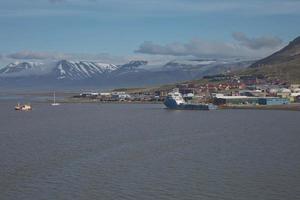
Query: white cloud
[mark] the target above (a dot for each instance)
(54, 56)
(257, 43)
(31, 55)
(242, 47)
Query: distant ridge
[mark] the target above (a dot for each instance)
(70, 73)
(283, 64)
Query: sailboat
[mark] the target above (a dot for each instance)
(54, 102)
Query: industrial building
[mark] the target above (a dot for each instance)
(220, 99)
(235, 100)
(272, 101)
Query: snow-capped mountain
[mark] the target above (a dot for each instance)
(134, 66)
(69, 70)
(79, 70)
(134, 73)
(206, 67)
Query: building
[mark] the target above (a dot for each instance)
(120, 96)
(161, 93)
(220, 99)
(295, 97)
(249, 80)
(253, 93)
(89, 94)
(272, 101)
(284, 93)
(294, 86)
(105, 94)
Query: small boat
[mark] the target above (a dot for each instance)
(54, 102)
(25, 107)
(18, 107)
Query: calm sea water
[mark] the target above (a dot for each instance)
(107, 151)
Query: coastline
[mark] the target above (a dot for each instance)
(65, 98)
(289, 107)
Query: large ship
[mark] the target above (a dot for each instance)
(174, 100)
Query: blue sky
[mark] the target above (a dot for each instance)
(96, 29)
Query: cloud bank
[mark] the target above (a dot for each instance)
(54, 56)
(257, 43)
(31, 55)
(242, 46)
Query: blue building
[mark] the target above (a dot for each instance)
(272, 101)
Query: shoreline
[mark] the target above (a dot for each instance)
(70, 100)
(288, 107)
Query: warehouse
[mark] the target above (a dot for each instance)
(221, 100)
(272, 101)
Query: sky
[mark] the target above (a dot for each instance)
(119, 30)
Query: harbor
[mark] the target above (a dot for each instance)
(217, 101)
(238, 94)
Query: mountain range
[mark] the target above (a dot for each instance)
(136, 73)
(284, 65)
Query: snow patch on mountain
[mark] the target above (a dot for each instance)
(77, 70)
(133, 66)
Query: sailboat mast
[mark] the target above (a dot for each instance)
(54, 100)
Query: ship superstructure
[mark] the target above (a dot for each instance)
(174, 100)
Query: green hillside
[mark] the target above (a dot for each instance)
(284, 64)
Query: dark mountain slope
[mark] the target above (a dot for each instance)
(284, 64)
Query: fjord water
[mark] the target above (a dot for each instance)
(114, 151)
